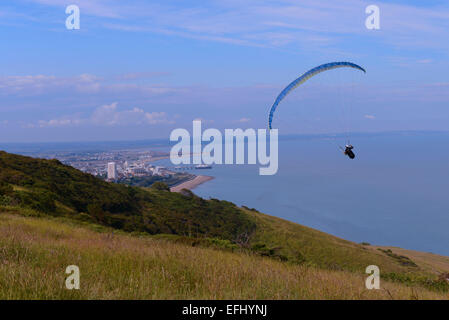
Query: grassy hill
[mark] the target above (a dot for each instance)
(49, 187)
(35, 252)
(151, 243)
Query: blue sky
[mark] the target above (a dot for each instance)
(138, 69)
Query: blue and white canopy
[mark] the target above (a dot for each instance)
(306, 76)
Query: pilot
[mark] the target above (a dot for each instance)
(348, 151)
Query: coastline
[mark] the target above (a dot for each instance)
(191, 184)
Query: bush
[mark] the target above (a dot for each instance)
(40, 200)
(6, 189)
(95, 210)
(403, 260)
(160, 186)
(6, 200)
(43, 202)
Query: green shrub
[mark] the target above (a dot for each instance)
(6, 189)
(6, 200)
(403, 260)
(160, 186)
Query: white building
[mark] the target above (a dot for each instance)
(112, 171)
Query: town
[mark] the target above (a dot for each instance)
(139, 167)
(114, 165)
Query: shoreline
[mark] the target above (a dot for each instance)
(191, 184)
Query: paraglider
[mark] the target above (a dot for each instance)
(348, 151)
(303, 78)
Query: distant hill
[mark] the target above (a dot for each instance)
(52, 190)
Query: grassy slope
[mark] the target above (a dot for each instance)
(31, 182)
(429, 262)
(34, 253)
(330, 252)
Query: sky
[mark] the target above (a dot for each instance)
(139, 69)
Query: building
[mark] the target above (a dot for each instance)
(112, 171)
(140, 172)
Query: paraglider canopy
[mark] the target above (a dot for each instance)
(306, 76)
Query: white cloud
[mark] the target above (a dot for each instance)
(370, 116)
(38, 84)
(109, 115)
(311, 23)
(58, 123)
(99, 8)
(157, 117)
(141, 75)
(244, 120)
(29, 85)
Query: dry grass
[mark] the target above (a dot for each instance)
(34, 253)
(330, 252)
(430, 262)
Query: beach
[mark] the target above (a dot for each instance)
(191, 184)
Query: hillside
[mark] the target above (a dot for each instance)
(35, 252)
(49, 187)
(37, 195)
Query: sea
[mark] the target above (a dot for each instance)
(395, 192)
